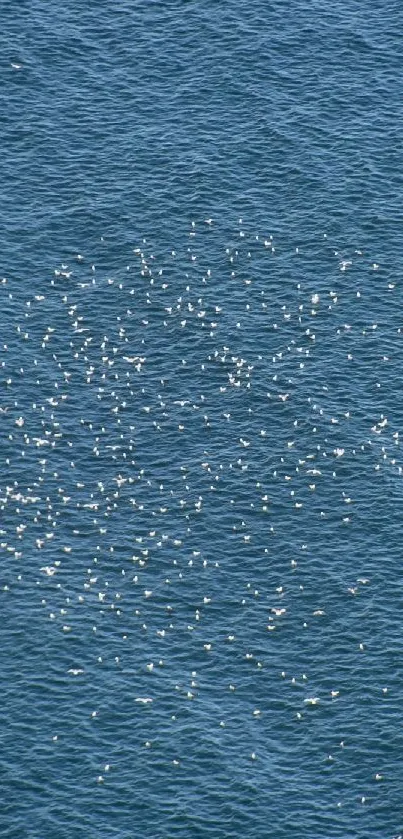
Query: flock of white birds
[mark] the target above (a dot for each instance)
(174, 440)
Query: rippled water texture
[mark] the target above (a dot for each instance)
(200, 419)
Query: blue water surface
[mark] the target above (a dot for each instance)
(201, 409)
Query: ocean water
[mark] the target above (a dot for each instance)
(200, 419)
